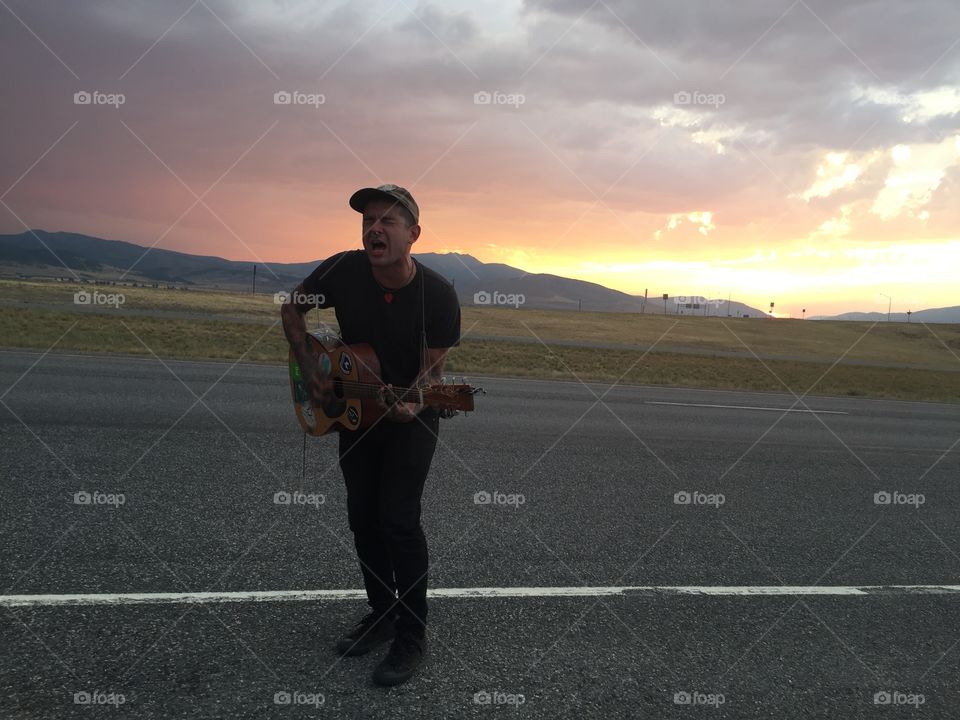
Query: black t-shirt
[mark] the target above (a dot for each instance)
(392, 327)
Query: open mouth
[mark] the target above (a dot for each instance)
(378, 247)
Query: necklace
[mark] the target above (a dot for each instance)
(388, 292)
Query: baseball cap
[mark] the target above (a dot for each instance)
(359, 200)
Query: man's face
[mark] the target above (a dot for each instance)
(386, 237)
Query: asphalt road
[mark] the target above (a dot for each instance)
(589, 485)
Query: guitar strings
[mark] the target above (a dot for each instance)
(355, 384)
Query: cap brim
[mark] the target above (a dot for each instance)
(359, 200)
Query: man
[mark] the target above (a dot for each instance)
(411, 317)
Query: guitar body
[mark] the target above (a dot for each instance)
(346, 364)
(355, 371)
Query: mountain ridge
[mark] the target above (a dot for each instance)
(34, 254)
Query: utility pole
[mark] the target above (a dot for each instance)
(665, 296)
(254, 279)
(643, 307)
(889, 304)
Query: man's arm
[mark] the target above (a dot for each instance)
(295, 328)
(434, 370)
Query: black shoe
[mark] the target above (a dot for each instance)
(406, 654)
(375, 629)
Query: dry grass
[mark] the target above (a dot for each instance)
(570, 363)
(896, 343)
(142, 298)
(257, 342)
(935, 346)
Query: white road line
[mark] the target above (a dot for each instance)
(478, 592)
(748, 407)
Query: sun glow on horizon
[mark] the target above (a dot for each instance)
(823, 281)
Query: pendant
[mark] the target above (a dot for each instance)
(388, 297)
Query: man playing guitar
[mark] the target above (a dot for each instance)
(410, 315)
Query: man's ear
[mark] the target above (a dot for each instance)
(414, 233)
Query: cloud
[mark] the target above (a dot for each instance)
(941, 102)
(834, 174)
(916, 174)
(701, 219)
(618, 138)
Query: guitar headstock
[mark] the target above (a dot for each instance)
(454, 396)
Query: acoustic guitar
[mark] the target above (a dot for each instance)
(355, 371)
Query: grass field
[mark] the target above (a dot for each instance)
(26, 326)
(141, 298)
(935, 346)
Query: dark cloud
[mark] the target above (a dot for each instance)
(399, 100)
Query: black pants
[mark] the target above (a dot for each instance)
(385, 471)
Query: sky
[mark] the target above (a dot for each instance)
(801, 152)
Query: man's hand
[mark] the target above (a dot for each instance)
(397, 411)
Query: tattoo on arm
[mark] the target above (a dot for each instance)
(434, 371)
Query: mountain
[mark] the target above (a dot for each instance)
(34, 255)
(91, 258)
(931, 315)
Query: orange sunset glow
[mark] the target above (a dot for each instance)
(791, 154)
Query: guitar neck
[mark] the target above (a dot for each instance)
(367, 391)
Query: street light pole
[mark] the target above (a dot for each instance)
(889, 304)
